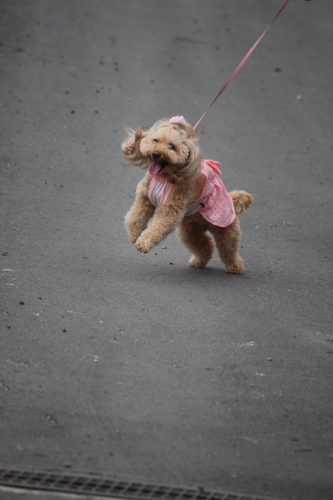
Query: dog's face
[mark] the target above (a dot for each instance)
(169, 150)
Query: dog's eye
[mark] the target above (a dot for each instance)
(172, 146)
(155, 140)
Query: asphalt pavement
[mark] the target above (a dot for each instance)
(136, 366)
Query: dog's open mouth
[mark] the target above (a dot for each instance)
(155, 167)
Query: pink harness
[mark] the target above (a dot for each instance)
(214, 203)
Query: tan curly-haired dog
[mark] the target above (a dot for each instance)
(182, 189)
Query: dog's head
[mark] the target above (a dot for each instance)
(170, 150)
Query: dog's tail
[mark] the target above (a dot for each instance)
(242, 200)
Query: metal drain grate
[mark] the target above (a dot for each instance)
(70, 483)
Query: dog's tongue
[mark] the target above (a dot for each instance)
(154, 168)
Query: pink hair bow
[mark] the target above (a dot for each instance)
(178, 119)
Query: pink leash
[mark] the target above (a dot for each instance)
(241, 64)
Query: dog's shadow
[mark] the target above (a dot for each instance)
(169, 272)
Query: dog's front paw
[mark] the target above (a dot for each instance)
(133, 228)
(143, 244)
(133, 235)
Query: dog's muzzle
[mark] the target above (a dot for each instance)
(156, 155)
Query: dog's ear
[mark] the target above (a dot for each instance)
(131, 147)
(194, 155)
(138, 134)
(189, 131)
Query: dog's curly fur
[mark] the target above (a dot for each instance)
(175, 147)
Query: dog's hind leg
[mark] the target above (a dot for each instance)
(227, 241)
(196, 238)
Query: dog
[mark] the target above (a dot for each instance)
(181, 189)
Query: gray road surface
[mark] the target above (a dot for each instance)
(136, 366)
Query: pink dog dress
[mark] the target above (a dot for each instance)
(214, 203)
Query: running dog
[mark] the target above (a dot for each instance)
(181, 189)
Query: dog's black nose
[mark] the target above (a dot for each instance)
(156, 155)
